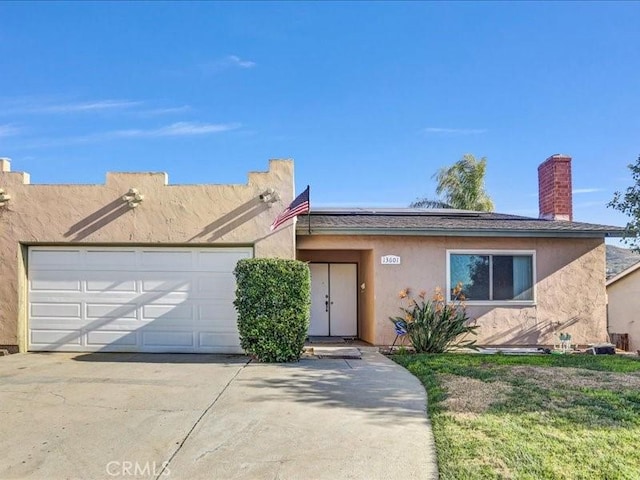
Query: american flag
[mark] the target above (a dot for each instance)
(299, 206)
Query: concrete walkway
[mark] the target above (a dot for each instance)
(211, 417)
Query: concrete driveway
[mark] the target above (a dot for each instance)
(79, 416)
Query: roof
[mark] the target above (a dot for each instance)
(623, 274)
(438, 222)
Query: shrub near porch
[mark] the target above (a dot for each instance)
(273, 299)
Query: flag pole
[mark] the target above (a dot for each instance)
(309, 212)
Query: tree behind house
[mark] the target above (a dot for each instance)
(629, 204)
(429, 203)
(460, 186)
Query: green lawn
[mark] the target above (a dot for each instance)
(532, 417)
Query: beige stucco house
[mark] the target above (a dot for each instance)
(138, 264)
(623, 293)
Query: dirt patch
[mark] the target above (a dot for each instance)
(576, 378)
(470, 395)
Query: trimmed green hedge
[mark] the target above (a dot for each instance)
(273, 300)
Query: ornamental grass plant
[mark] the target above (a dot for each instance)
(435, 325)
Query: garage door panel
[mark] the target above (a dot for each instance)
(52, 281)
(155, 312)
(55, 337)
(65, 310)
(169, 338)
(217, 285)
(220, 261)
(106, 285)
(169, 324)
(53, 259)
(111, 337)
(54, 298)
(133, 299)
(171, 299)
(113, 326)
(173, 285)
(217, 339)
(110, 259)
(84, 325)
(115, 311)
(112, 298)
(53, 323)
(218, 310)
(166, 260)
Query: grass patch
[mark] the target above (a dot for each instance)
(532, 417)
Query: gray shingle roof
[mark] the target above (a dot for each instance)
(443, 222)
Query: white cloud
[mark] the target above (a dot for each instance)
(455, 131)
(165, 111)
(230, 61)
(99, 105)
(178, 129)
(9, 130)
(236, 61)
(46, 105)
(587, 190)
(35, 106)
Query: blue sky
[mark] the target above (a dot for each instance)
(369, 99)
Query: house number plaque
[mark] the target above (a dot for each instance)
(390, 260)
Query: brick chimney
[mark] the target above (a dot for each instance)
(554, 188)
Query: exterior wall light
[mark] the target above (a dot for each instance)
(269, 196)
(4, 198)
(133, 198)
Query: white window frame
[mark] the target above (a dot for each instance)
(531, 253)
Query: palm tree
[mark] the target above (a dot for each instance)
(428, 203)
(462, 184)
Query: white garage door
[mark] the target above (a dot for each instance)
(133, 299)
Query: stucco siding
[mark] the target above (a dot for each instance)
(206, 214)
(624, 308)
(570, 291)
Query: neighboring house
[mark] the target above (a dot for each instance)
(619, 259)
(623, 293)
(140, 265)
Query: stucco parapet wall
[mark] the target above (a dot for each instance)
(177, 214)
(254, 177)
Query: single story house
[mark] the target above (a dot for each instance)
(139, 265)
(623, 293)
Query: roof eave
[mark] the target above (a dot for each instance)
(303, 230)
